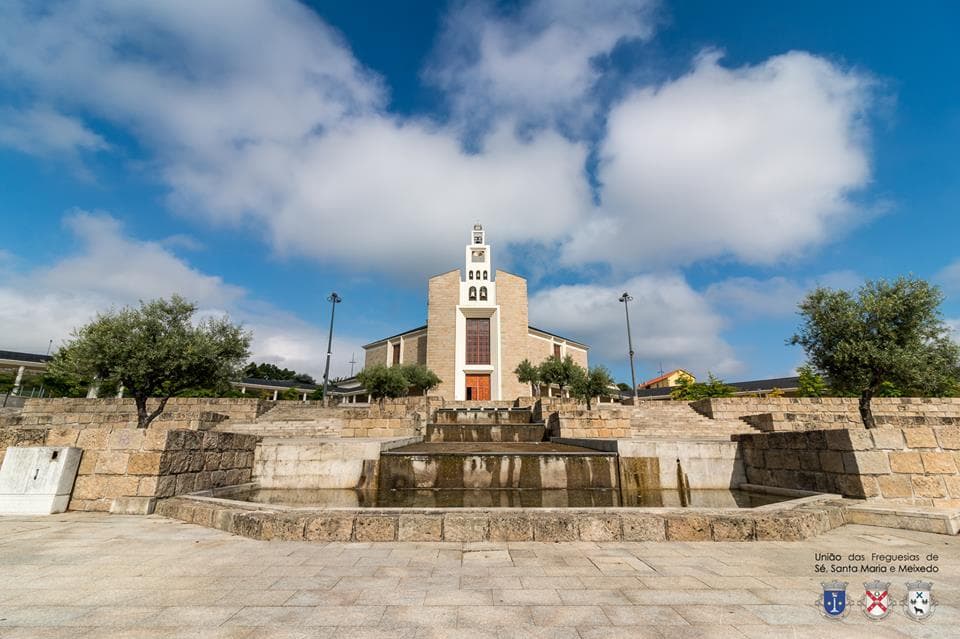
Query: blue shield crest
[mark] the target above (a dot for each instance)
(833, 601)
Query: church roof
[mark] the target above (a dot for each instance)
(18, 357)
(566, 339)
(412, 330)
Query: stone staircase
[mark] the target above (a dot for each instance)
(677, 420)
(291, 419)
(485, 425)
(295, 412)
(292, 428)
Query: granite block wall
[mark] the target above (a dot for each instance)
(584, 424)
(143, 464)
(180, 412)
(809, 413)
(911, 465)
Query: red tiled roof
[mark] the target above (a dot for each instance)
(662, 377)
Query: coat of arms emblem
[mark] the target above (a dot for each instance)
(832, 604)
(919, 603)
(876, 603)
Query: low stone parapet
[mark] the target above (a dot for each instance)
(898, 410)
(180, 412)
(787, 521)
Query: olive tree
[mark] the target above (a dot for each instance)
(589, 384)
(384, 381)
(155, 350)
(528, 373)
(887, 335)
(558, 371)
(689, 390)
(420, 377)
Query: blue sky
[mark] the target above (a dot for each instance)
(715, 159)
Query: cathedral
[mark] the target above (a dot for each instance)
(477, 331)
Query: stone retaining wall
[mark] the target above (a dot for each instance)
(589, 424)
(787, 522)
(180, 412)
(293, 464)
(126, 470)
(834, 412)
(915, 465)
(659, 465)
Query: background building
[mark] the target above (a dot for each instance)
(667, 380)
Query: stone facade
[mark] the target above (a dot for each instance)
(415, 349)
(914, 465)
(376, 355)
(443, 294)
(514, 329)
(125, 469)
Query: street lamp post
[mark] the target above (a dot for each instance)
(625, 298)
(334, 299)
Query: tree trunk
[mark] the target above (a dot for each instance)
(144, 418)
(866, 411)
(141, 411)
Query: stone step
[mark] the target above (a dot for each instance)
(283, 429)
(486, 465)
(483, 416)
(486, 432)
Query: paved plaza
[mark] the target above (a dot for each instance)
(94, 575)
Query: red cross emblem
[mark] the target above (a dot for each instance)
(877, 601)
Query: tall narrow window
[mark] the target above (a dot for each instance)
(396, 354)
(483, 293)
(471, 275)
(473, 294)
(556, 351)
(478, 275)
(484, 275)
(478, 340)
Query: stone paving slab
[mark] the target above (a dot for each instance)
(84, 575)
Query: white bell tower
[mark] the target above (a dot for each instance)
(477, 359)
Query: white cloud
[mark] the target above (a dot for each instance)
(42, 131)
(756, 163)
(538, 63)
(381, 195)
(293, 138)
(750, 298)
(187, 73)
(119, 268)
(113, 270)
(949, 277)
(953, 324)
(671, 323)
